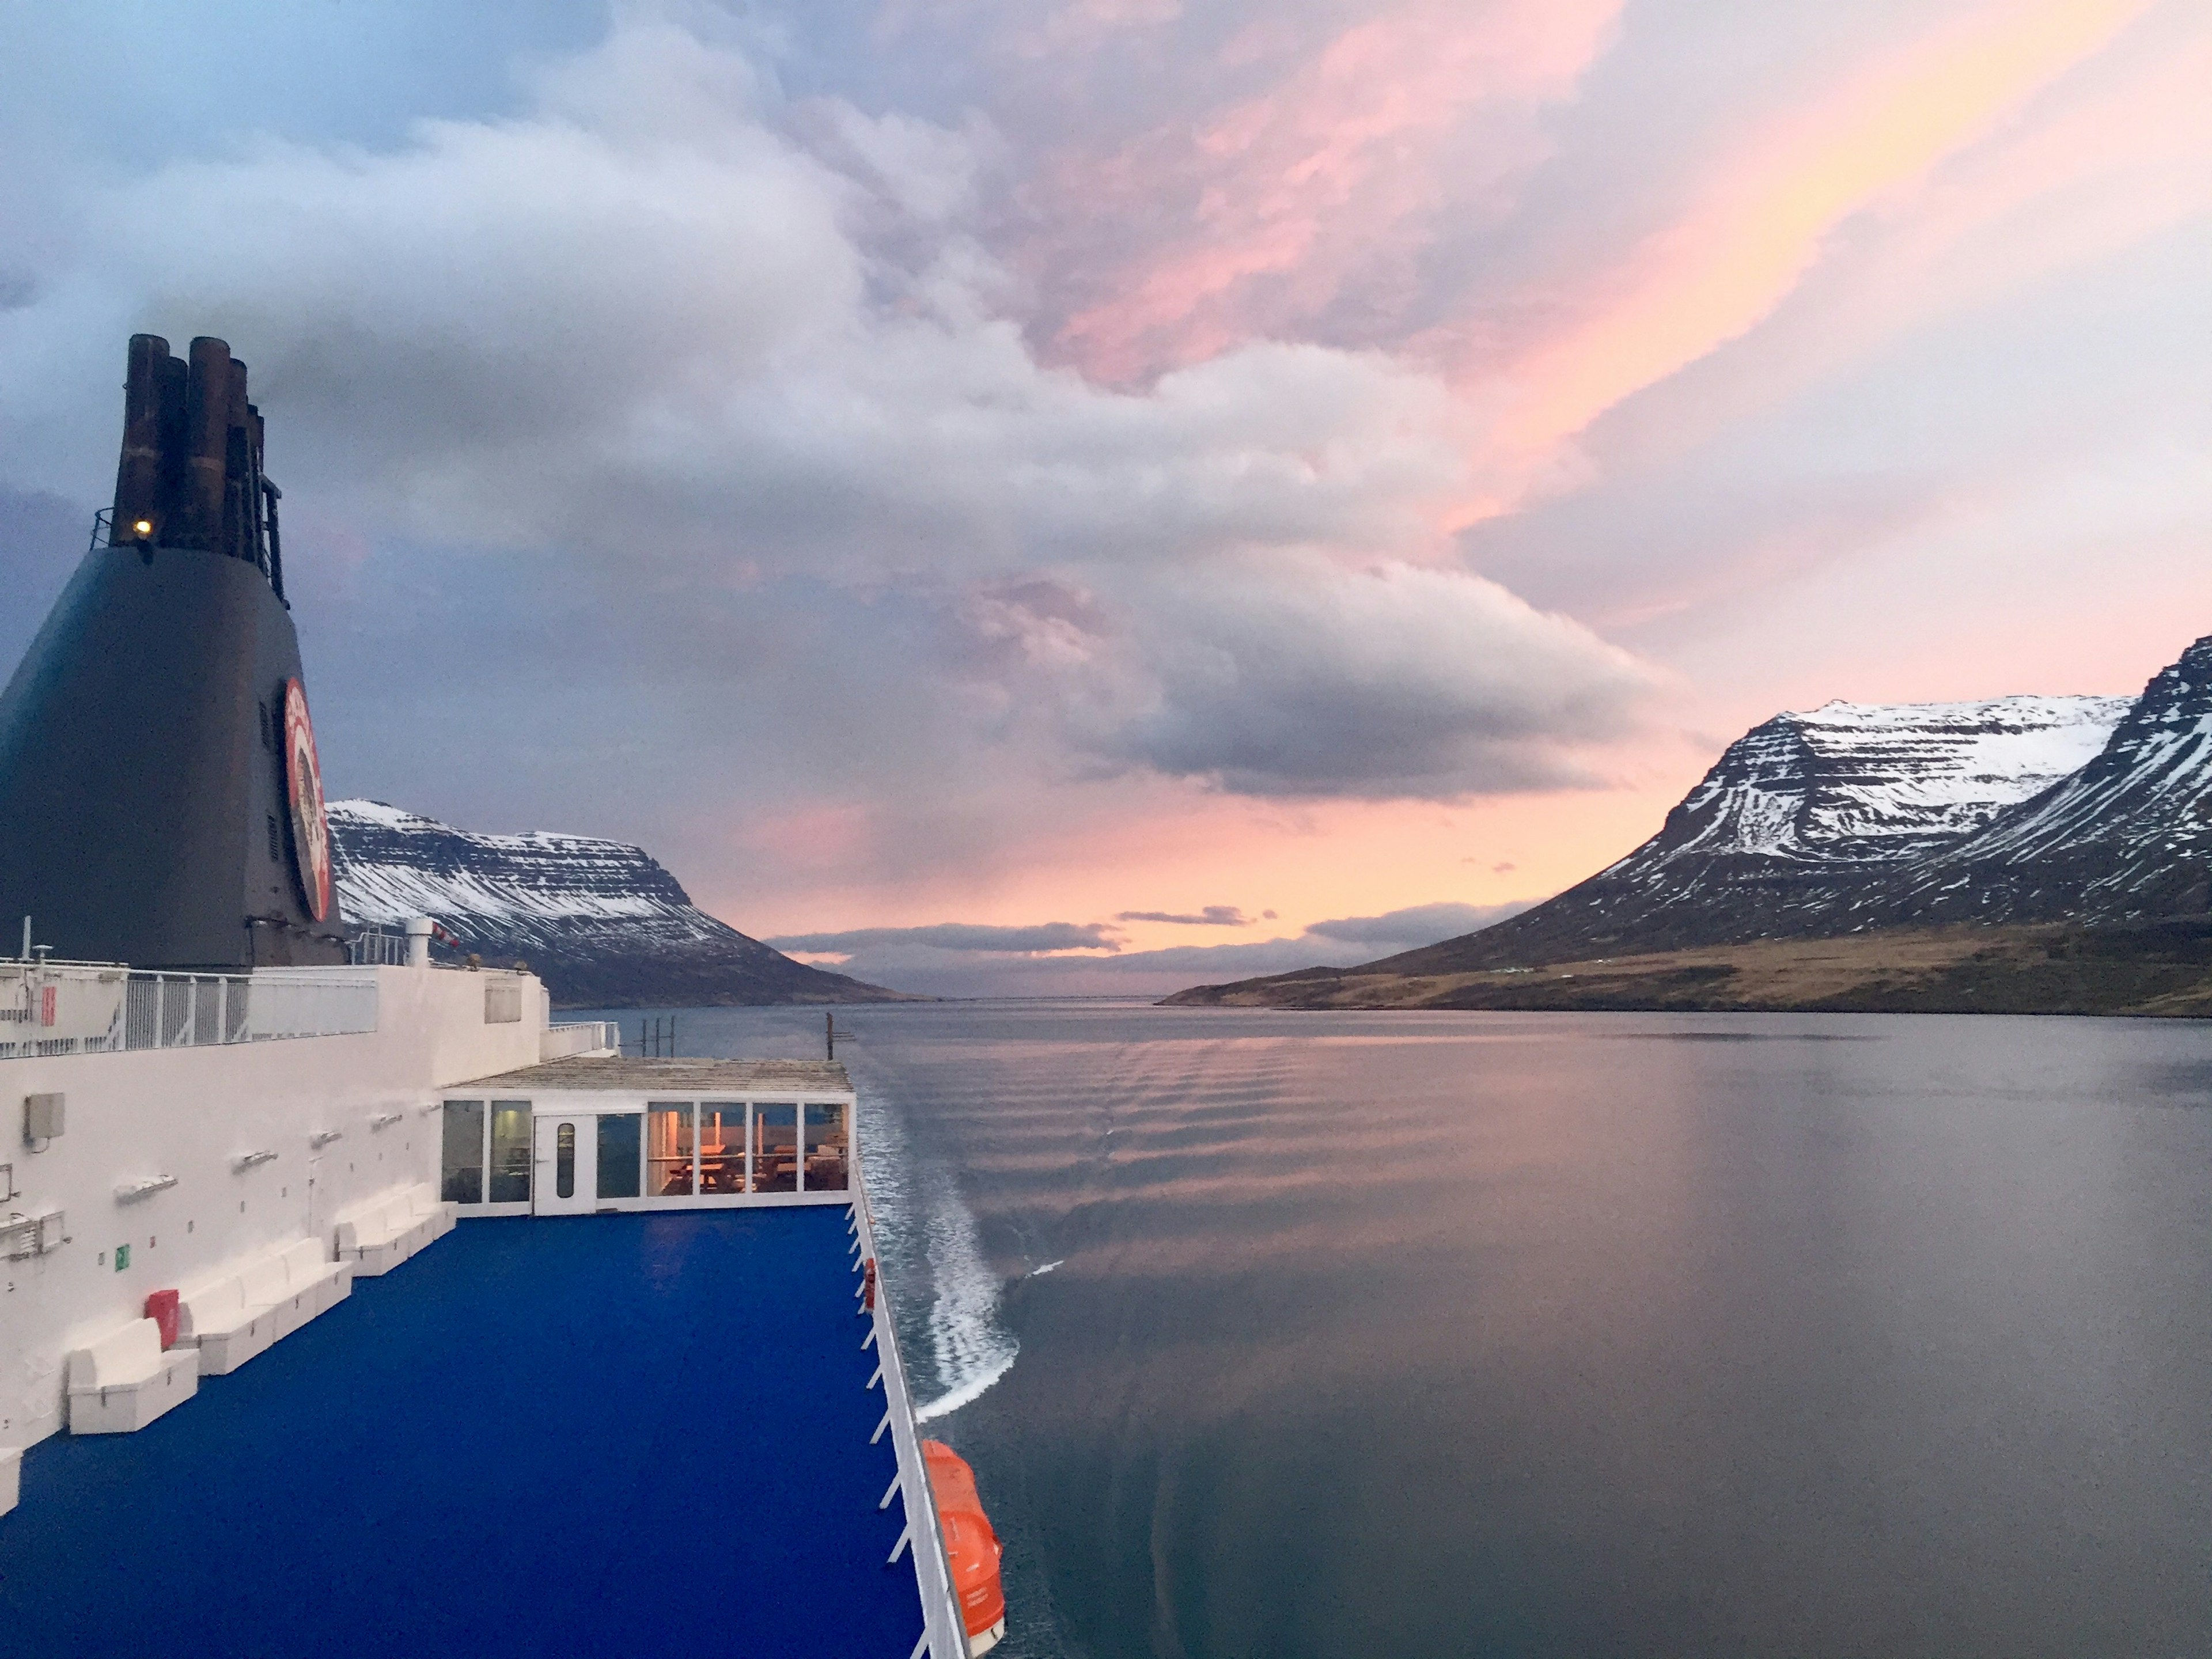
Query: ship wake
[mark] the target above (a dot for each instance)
(926, 1231)
(971, 1346)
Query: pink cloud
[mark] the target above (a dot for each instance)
(1759, 225)
(1251, 221)
(1081, 25)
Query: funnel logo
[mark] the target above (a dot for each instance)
(303, 782)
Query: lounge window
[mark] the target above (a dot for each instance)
(461, 1179)
(510, 1153)
(776, 1149)
(721, 1147)
(828, 1152)
(619, 1151)
(668, 1149)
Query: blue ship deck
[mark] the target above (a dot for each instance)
(618, 1434)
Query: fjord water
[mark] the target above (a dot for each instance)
(1444, 1334)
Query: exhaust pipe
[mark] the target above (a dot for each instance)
(139, 493)
(207, 439)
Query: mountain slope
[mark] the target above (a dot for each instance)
(1802, 825)
(2126, 837)
(602, 923)
(1851, 781)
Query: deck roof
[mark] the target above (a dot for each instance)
(743, 1078)
(608, 1434)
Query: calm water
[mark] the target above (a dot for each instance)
(1490, 1333)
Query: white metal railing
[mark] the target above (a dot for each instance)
(71, 1008)
(943, 1632)
(583, 1038)
(373, 947)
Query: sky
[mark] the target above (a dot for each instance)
(1059, 496)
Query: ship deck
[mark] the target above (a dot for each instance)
(611, 1434)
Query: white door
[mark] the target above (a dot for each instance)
(567, 1176)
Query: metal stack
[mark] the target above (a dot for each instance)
(190, 473)
(150, 811)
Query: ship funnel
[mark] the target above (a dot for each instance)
(191, 473)
(161, 798)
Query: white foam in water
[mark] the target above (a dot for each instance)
(972, 1349)
(969, 1348)
(1039, 1273)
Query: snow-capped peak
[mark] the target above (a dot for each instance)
(1855, 781)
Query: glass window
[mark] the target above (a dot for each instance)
(668, 1148)
(828, 1157)
(461, 1177)
(564, 1161)
(618, 1154)
(721, 1147)
(510, 1153)
(776, 1149)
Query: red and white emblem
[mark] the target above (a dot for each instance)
(303, 783)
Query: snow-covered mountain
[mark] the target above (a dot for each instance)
(602, 922)
(2127, 836)
(1804, 825)
(1851, 781)
(1855, 816)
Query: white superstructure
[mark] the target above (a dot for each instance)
(187, 1135)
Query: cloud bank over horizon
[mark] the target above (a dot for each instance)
(1088, 959)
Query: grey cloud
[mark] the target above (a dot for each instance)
(959, 936)
(35, 527)
(1213, 916)
(640, 335)
(1295, 675)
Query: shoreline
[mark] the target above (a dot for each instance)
(2153, 971)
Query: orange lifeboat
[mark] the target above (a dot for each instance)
(971, 1548)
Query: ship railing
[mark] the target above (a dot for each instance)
(579, 1037)
(372, 947)
(49, 1009)
(943, 1632)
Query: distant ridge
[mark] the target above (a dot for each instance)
(602, 923)
(2022, 810)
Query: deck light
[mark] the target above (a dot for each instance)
(144, 527)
